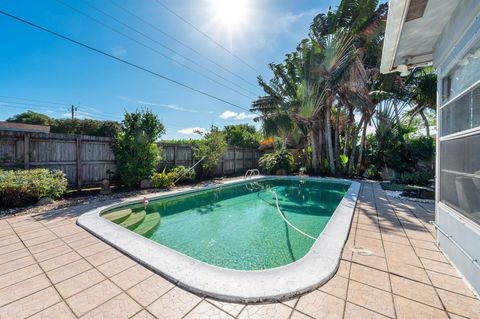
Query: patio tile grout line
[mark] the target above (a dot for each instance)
(48, 278)
(357, 208)
(384, 252)
(408, 238)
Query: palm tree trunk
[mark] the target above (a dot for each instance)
(354, 146)
(337, 140)
(425, 121)
(362, 146)
(315, 149)
(328, 139)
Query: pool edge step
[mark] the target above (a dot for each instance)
(134, 220)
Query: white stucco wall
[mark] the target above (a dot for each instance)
(462, 31)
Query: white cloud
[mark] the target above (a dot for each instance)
(239, 116)
(192, 130)
(228, 114)
(244, 116)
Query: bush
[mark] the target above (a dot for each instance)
(415, 178)
(185, 174)
(280, 161)
(135, 148)
(23, 187)
(211, 148)
(163, 179)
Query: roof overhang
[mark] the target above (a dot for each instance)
(412, 31)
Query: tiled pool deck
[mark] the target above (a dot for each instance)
(51, 268)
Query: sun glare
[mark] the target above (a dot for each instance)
(230, 13)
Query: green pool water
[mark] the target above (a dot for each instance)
(238, 226)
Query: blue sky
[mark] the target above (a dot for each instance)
(35, 65)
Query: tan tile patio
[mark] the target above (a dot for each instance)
(390, 268)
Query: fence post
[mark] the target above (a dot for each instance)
(234, 160)
(253, 159)
(79, 164)
(223, 164)
(243, 153)
(26, 150)
(175, 148)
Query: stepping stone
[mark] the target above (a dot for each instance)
(149, 225)
(134, 220)
(118, 216)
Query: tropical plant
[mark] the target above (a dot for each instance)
(163, 179)
(280, 161)
(135, 148)
(210, 149)
(184, 174)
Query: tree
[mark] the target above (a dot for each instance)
(69, 126)
(242, 135)
(85, 127)
(422, 88)
(30, 117)
(136, 151)
(210, 149)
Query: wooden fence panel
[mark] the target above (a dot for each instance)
(87, 160)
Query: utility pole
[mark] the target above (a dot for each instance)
(73, 110)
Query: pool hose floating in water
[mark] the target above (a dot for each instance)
(282, 215)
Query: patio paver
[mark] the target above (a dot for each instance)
(390, 268)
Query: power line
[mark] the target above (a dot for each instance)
(93, 109)
(182, 43)
(44, 108)
(206, 35)
(167, 47)
(152, 49)
(136, 66)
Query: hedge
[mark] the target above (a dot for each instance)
(24, 187)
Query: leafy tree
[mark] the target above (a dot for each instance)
(242, 135)
(136, 151)
(30, 117)
(211, 148)
(85, 127)
(69, 126)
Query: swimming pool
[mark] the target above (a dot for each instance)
(215, 240)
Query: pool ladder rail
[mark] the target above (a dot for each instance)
(251, 173)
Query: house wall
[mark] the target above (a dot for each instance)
(458, 160)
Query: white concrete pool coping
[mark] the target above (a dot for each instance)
(275, 284)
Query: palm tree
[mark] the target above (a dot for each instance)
(422, 88)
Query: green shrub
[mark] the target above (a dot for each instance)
(163, 179)
(23, 187)
(135, 148)
(280, 161)
(211, 148)
(415, 178)
(184, 172)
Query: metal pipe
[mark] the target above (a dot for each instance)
(188, 170)
(473, 260)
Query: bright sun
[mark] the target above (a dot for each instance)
(230, 13)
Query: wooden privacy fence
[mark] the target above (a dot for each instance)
(234, 161)
(87, 160)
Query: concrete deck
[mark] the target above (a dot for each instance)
(390, 268)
